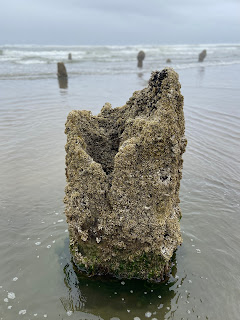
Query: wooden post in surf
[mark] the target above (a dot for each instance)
(202, 56)
(62, 72)
(140, 57)
(62, 76)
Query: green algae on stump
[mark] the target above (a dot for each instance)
(123, 170)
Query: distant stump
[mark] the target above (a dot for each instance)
(202, 56)
(140, 57)
(61, 70)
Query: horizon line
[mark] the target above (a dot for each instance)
(119, 45)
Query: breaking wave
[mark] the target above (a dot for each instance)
(33, 60)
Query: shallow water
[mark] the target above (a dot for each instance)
(37, 277)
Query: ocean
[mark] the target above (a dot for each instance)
(37, 277)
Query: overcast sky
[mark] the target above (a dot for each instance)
(81, 22)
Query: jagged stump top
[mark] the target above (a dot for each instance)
(123, 170)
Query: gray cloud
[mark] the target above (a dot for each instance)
(110, 22)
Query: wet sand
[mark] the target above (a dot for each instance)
(33, 232)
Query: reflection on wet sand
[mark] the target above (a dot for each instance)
(201, 74)
(125, 299)
(142, 82)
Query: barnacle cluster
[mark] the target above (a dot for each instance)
(123, 170)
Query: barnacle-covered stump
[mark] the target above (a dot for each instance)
(123, 170)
